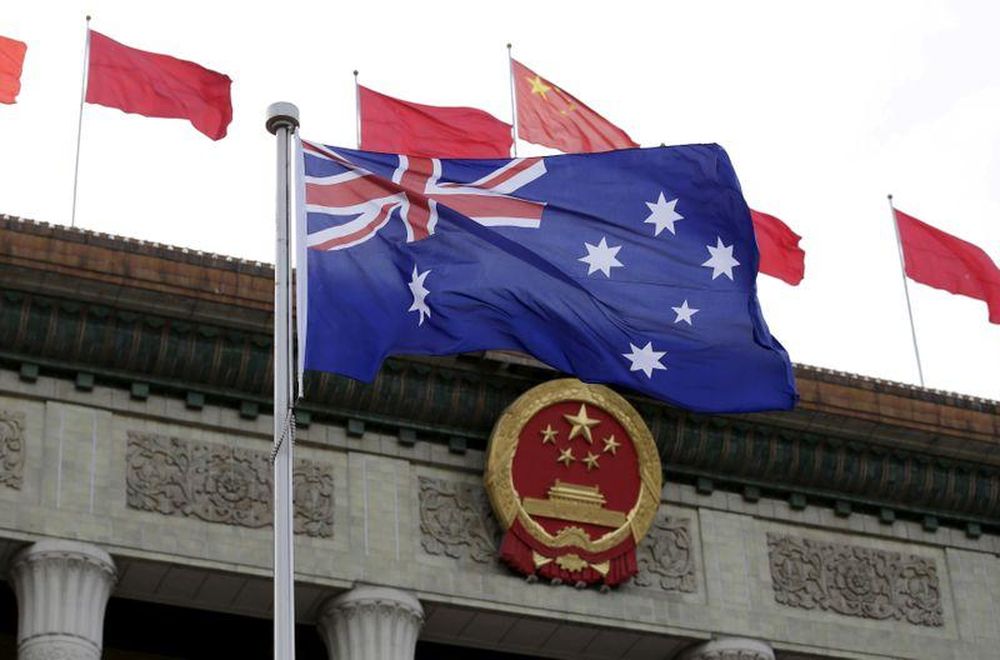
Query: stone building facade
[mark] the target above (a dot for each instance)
(135, 495)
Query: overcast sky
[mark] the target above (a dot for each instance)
(824, 107)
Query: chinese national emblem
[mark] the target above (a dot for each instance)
(574, 477)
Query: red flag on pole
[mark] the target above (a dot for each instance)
(395, 126)
(155, 85)
(943, 261)
(550, 116)
(780, 254)
(11, 62)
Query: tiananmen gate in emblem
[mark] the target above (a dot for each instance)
(574, 478)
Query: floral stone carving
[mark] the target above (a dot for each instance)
(855, 581)
(221, 484)
(11, 448)
(665, 556)
(456, 520)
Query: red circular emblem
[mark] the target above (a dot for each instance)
(574, 476)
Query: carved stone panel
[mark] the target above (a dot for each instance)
(456, 520)
(11, 448)
(855, 581)
(665, 556)
(221, 484)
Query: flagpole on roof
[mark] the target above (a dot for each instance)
(79, 121)
(357, 108)
(282, 122)
(906, 290)
(513, 103)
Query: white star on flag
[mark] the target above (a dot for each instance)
(601, 257)
(684, 313)
(662, 215)
(645, 359)
(721, 262)
(420, 294)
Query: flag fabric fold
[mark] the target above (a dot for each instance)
(780, 254)
(943, 261)
(550, 116)
(155, 85)
(11, 62)
(395, 126)
(635, 268)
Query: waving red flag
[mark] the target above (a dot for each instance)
(780, 254)
(155, 85)
(392, 125)
(943, 261)
(550, 116)
(11, 62)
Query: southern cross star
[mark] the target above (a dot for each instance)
(420, 293)
(684, 313)
(645, 359)
(662, 215)
(721, 262)
(601, 257)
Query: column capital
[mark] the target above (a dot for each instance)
(62, 589)
(729, 648)
(371, 623)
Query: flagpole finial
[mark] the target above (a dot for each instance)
(890, 197)
(280, 115)
(355, 73)
(88, 18)
(509, 45)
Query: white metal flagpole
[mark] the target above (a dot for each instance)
(906, 290)
(79, 120)
(357, 107)
(513, 102)
(282, 121)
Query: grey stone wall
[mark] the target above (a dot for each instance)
(157, 482)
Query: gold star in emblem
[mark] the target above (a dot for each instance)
(566, 456)
(581, 424)
(591, 461)
(611, 445)
(539, 87)
(549, 434)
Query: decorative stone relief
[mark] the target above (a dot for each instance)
(456, 520)
(221, 484)
(11, 448)
(855, 581)
(665, 556)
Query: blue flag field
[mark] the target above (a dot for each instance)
(635, 268)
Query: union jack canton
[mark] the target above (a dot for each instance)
(634, 268)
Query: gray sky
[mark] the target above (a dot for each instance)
(824, 107)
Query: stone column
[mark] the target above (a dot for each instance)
(729, 648)
(62, 588)
(371, 623)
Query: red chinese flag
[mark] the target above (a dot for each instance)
(943, 261)
(395, 126)
(780, 254)
(155, 85)
(551, 117)
(11, 61)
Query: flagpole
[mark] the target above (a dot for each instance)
(357, 108)
(282, 121)
(513, 103)
(79, 120)
(906, 290)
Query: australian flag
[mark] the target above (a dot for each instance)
(635, 268)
